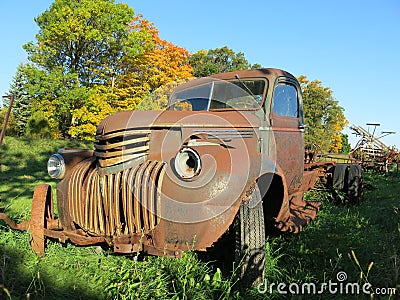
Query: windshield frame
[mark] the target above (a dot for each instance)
(238, 82)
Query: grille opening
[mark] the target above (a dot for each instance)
(122, 203)
(123, 146)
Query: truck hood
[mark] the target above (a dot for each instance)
(125, 120)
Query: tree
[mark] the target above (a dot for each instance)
(80, 45)
(324, 117)
(96, 108)
(86, 47)
(158, 99)
(346, 147)
(85, 37)
(22, 102)
(38, 126)
(55, 94)
(159, 64)
(219, 60)
(12, 128)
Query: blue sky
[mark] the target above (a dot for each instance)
(352, 46)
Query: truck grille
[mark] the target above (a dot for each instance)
(119, 147)
(122, 203)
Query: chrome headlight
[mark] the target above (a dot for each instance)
(187, 163)
(56, 166)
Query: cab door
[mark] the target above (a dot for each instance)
(287, 124)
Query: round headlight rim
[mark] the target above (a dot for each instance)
(179, 169)
(61, 173)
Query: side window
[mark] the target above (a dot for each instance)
(285, 101)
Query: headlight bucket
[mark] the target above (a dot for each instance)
(187, 163)
(56, 166)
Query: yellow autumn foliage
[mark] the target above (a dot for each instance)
(86, 119)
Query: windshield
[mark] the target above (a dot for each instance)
(214, 94)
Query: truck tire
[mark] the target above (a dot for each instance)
(340, 177)
(355, 184)
(249, 229)
(348, 180)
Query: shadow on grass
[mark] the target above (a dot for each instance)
(349, 238)
(23, 165)
(21, 277)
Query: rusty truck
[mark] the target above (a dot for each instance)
(226, 157)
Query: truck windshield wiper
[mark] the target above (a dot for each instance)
(246, 87)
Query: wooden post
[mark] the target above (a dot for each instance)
(3, 130)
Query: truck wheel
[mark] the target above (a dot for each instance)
(355, 184)
(348, 180)
(249, 229)
(42, 212)
(340, 177)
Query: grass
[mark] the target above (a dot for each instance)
(363, 241)
(22, 167)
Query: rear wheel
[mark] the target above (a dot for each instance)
(355, 184)
(347, 179)
(249, 230)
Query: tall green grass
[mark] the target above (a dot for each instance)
(363, 241)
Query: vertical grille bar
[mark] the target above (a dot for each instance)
(111, 200)
(158, 196)
(137, 197)
(88, 203)
(122, 203)
(130, 211)
(152, 197)
(117, 201)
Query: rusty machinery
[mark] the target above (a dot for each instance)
(370, 151)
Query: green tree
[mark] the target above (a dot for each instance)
(324, 117)
(85, 37)
(11, 128)
(160, 63)
(219, 60)
(346, 147)
(38, 126)
(22, 101)
(81, 44)
(55, 94)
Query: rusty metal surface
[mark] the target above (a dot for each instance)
(119, 147)
(42, 214)
(301, 213)
(22, 226)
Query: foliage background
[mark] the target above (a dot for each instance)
(93, 58)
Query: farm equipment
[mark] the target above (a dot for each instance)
(370, 151)
(225, 159)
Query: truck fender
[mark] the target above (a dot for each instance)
(274, 193)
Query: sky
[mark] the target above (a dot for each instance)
(351, 46)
